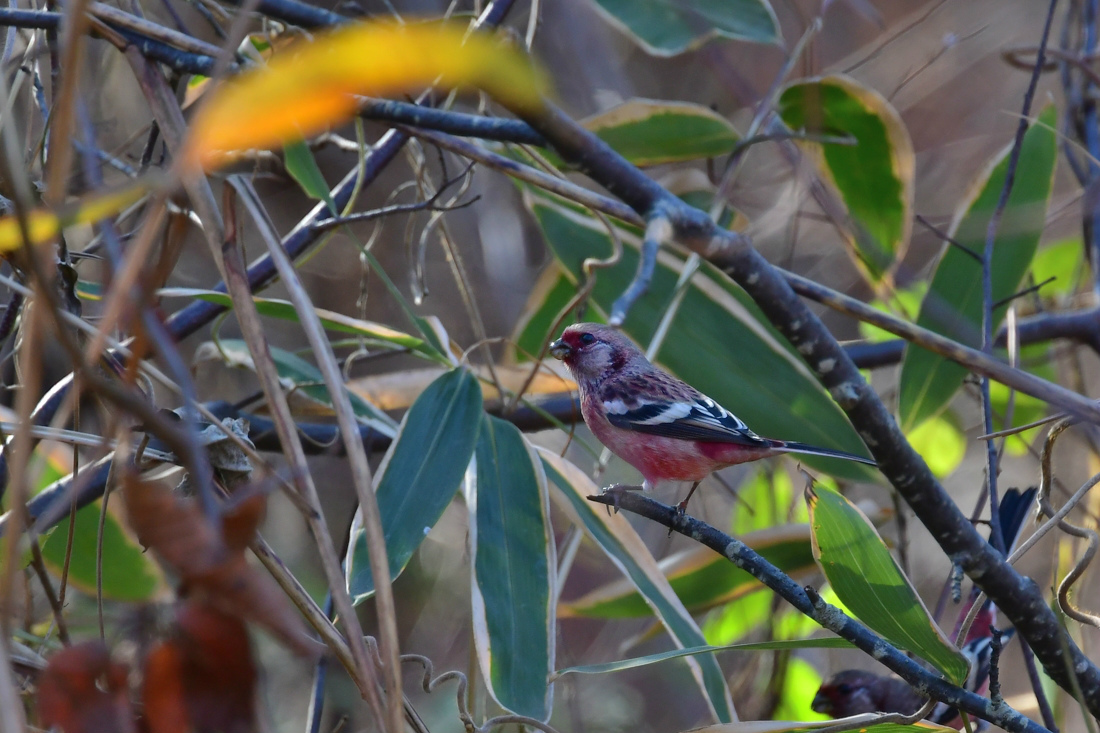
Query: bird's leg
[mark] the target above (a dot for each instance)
(616, 491)
(683, 505)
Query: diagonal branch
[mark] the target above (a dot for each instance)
(1019, 598)
(926, 683)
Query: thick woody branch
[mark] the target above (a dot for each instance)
(1019, 598)
(926, 683)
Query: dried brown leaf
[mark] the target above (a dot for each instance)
(83, 690)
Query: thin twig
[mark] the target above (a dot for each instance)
(973, 359)
(992, 464)
(658, 229)
(345, 417)
(39, 565)
(253, 333)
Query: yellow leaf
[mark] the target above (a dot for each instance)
(316, 84)
(43, 225)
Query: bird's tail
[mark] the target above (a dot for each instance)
(787, 446)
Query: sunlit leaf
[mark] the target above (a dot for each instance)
(1062, 260)
(869, 581)
(316, 84)
(940, 442)
(513, 569)
(953, 305)
(756, 612)
(419, 475)
(618, 540)
(800, 683)
(1036, 359)
(874, 177)
(906, 304)
(666, 29)
(833, 642)
(723, 344)
(767, 500)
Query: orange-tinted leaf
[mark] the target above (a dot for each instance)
(316, 84)
(211, 562)
(203, 677)
(174, 528)
(239, 524)
(82, 689)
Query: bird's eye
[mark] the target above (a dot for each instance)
(844, 689)
(587, 338)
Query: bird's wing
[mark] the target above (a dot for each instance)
(687, 417)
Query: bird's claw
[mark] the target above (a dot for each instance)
(616, 492)
(681, 510)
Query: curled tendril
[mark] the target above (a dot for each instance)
(1045, 508)
(430, 681)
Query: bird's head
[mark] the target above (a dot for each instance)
(591, 350)
(849, 692)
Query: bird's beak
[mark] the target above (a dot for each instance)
(822, 704)
(560, 350)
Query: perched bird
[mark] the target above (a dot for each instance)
(665, 428)
(854, 691)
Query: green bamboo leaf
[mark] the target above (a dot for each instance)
(307, 381)
(420, 474)
(614, 535)
(800, 683)
(666, 29)
(302, 167)
(869, 582)
(721, 343)
(129, 574)
(649, 132)
(825, 643)
(513, 570)
(702, 579)
(941, 443)
(953, 305)
(331, 320)
(1062, 260)
(874, 177)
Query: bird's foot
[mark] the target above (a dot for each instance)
(616, 491)
(681, 509)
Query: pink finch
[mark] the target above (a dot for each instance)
(665, 428)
